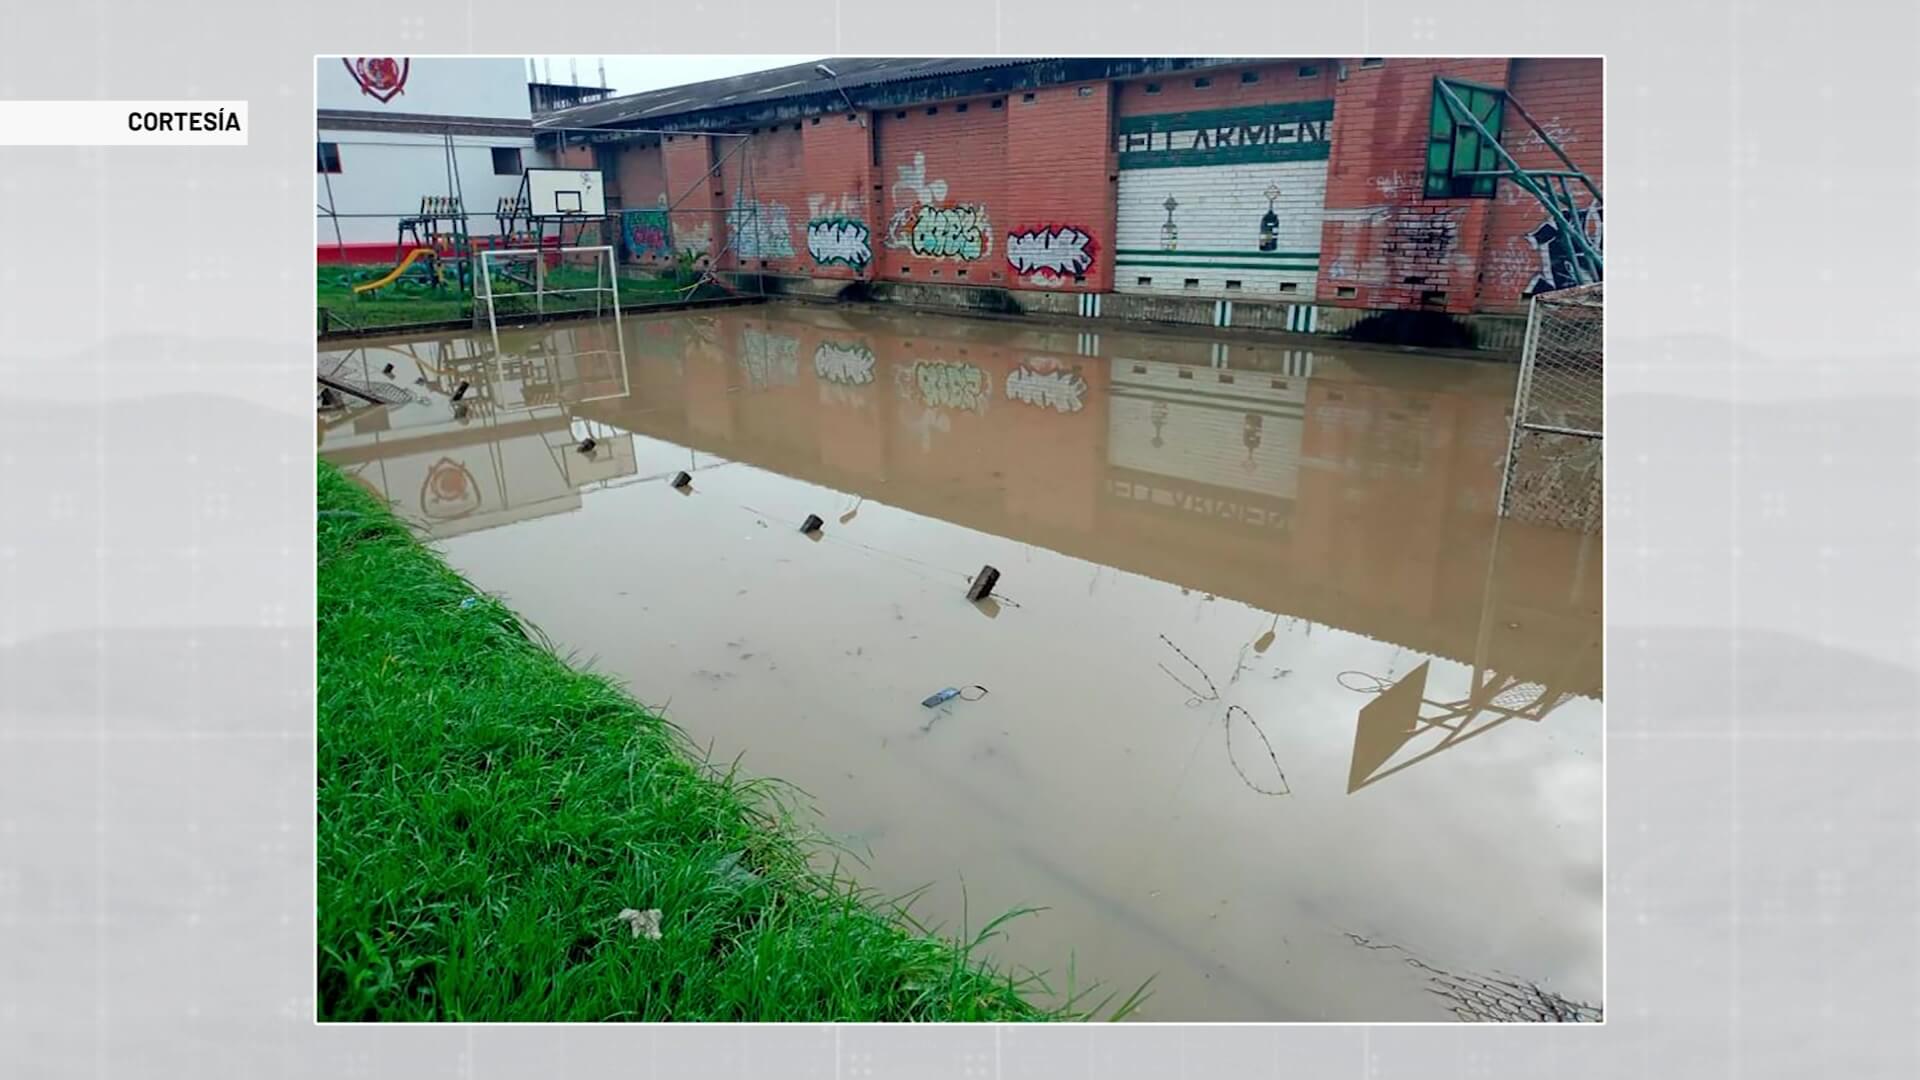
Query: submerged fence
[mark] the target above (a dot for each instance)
(1554, 467)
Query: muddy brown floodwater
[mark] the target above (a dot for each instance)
(1274, 713)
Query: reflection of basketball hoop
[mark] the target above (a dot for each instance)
(449, 491)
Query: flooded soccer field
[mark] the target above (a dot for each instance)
(1268, 705)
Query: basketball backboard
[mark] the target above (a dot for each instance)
(565, 193)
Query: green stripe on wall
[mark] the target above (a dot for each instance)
(1310, 268)
(1232, 155)
(1163, 253)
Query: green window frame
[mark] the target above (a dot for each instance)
(1454, 148)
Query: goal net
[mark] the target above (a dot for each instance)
(1553, 473)
(517, 284)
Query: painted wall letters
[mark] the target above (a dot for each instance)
(1223, 202)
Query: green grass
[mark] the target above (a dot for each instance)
(486, 812)
(411, 300)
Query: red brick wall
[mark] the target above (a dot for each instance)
(697, 222)
(1381, 240)
(1564, 96)
(942, 181)
(940, 194)
(1058, 208)
(1274, 83)
(839, 196)
(770, 172)
(640, 176)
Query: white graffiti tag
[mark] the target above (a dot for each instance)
(839, 240)
(1052, 250)
(760, 230)
(1061, 391)
(850, 364)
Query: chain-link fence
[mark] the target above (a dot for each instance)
(1553, 470)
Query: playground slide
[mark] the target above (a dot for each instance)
(412, 257)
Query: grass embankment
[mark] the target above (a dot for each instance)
(410, 300)
(486, 813)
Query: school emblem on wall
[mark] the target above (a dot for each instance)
(380, 77)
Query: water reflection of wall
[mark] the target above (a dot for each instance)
(1368, 505)
(1235, 430)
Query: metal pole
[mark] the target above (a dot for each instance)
(1519, 399)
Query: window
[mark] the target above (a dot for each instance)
(962, 107)
(1025, 98)
(1248, 78)
(329, 157)
(1372, 62)
(1153, 88)
(1455, 146)
(1345, 292)
(506, 161)
(1193, 283)
(1202, 83)
(1232, 283)
(1143, 281)
(901, 115)
(1289, 286)
(997, 102)
(932, 109)
(1084, 91)
(1309, 71)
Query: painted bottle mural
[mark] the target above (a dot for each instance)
(1170, 233)
(1270, 221)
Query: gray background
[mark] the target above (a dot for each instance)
(156, 579)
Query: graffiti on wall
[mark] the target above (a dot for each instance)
(646, 233)
(1556, 251)
(1050, 251)
(1373, 245)
(1061, 390)
(694, 241)
(931, 230)
(760, 230)
(940, 384)
(848, 363)
(839, 240)
(942, 232)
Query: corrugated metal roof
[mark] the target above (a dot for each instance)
(791, 81)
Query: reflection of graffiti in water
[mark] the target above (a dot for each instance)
(846, 363)
(945, 385)
(841, 241)
(1492, 998)
(449, 491)
(1061, 391)
(769, 359)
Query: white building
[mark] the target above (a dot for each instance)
(384, 127)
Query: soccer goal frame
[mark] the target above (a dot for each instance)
(606, 281)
